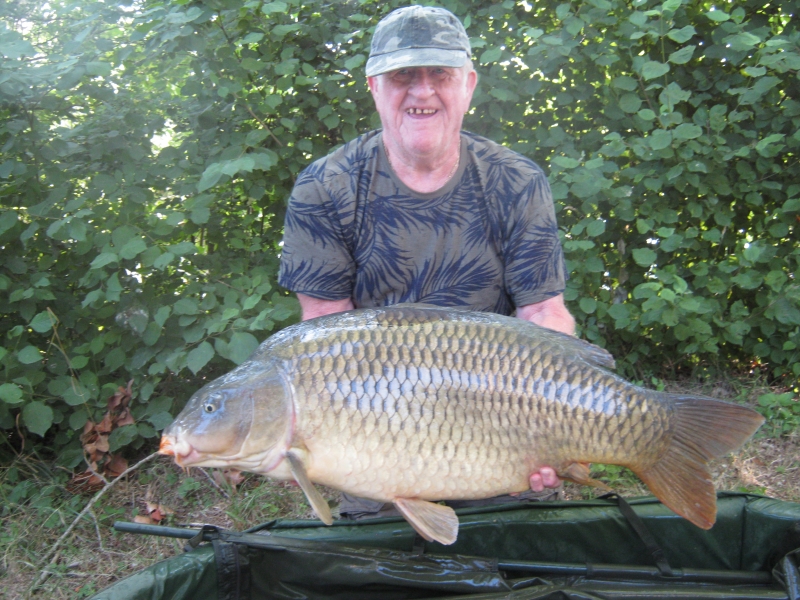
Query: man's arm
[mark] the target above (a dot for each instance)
(551, 313)
(314, 307)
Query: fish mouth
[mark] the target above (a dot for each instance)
(184, 453)
(167, 448)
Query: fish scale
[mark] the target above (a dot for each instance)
(458, 373)
(412, 404)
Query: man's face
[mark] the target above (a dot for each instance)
(421, 108)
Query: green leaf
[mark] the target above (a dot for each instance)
(588, 305)
(103, 259)
(16, 48)
(682, 35)
(133, 248)
(75, 394)
(29, 355)
(255, 137)
(742, 41)
(354, 62)
(630, 103)
(199, 357)
(162, 261)
(121, 437)
(660, 139)
(8, 218)
(718, 16)
(687, 131)
(98, 69)
(241, 346)
(186, 306)
(37, 417)
(565, 162)
(42, 322)
(10, 393)
(210, 177)
(644, 257)
(754, 71)
(161, 420)
(251, 38)
(491, 55)
(274, 7)
(652, 69)
(682, 56)
(596, 228)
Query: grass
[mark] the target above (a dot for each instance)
(37, 509)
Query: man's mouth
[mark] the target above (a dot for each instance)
(421, 111)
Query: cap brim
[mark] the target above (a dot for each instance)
(415, 57)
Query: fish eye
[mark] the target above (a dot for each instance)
(209, 407)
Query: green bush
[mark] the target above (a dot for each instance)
(149, 149)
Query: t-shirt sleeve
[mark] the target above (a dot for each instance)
(315, 258)
(534, 259)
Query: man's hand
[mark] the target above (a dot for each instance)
(544, 478)
(551, 313)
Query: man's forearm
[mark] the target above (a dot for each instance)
(314, 307)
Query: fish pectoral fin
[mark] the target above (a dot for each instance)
(578, 472)
(434, 522)
(315, 499)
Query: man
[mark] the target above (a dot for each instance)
(421, 211)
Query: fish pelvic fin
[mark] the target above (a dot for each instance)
(434, 522)
(313, 496)
(578, 472)
(704, 429)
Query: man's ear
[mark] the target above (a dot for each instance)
(373, 83)
(471, 83)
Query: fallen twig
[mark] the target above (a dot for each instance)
(48, 558)
(214, 483)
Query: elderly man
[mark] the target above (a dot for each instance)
(421, 211)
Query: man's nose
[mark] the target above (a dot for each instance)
(423, 84)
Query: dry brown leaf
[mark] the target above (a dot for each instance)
(84, 483)
(115, 466)
(229, 475)
(125, 418)
(102, 443)
(106, 425)
(144, 520)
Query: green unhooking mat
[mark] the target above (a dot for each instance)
(601, 549)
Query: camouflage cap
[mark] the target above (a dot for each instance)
(418, 36)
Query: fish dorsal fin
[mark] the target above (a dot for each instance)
(315, 499)
(434, 522)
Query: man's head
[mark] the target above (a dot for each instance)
(421, 78)
(418, 36)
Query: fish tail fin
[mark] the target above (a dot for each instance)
(704, 429)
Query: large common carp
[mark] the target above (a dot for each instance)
(412, 404)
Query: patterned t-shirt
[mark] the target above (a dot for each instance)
(487, 240)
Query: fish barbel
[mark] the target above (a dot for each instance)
(412, 404)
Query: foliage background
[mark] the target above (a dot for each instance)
(148, 150)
